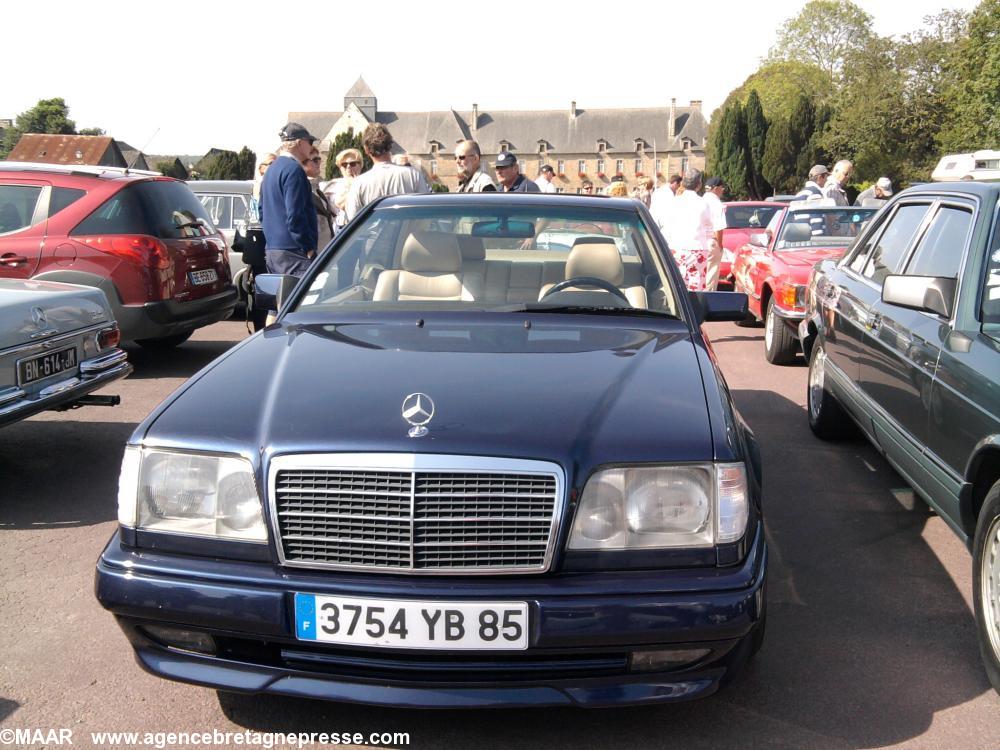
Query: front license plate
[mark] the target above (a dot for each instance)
(207, 276)
(491, 626)
(44, 365)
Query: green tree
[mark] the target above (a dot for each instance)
(172, 169)
(729, 150)
(48, 116)
(756, 141)
(223, 165)
(778, 164)
(826, 33)
(91, 131)
(801, 126)
(350, 139)
(246, 161)
(972, 95)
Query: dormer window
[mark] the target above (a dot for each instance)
(542, 147)
(640, 145)
(602, 146)
(504, 147)
(686, 142)
(434, 148)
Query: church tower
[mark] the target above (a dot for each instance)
(363, 98)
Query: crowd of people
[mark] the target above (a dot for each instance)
(298, 214)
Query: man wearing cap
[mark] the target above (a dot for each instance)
(384, 178)
(288, 216)
(510, 177)
(714, 188)
(545, 176)
(471, 179)
(814, 185)
(837, 181)
(877, 194)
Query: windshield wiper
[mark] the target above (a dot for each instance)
(582, 310)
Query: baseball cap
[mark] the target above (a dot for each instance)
(714, 182)
(546, 168)
(818, 170)
(294, 132)
(505, 159)
(885, 185)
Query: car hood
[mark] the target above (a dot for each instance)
(812, 256)
(27, 308)
(566, 388)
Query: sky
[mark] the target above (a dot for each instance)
(184, 76)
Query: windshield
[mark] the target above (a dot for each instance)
(821, 227)
(501, 256)
(749, 217)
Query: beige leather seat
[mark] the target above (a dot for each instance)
(431, 269)
(601, 260)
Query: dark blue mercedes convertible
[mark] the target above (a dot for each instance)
(465, 467)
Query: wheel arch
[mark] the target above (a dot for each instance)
(982, 473)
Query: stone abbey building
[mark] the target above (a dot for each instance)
(578, 143)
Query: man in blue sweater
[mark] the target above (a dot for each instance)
(288, 216)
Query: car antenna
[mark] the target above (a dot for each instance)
(142, 150)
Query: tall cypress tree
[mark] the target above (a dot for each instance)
(756, 141)
(801, 126)
(778, 164)
(731, 151)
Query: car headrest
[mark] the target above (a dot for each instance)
(431, 252)
(472, 247)
(797, 231)
(595, 259)
(594, 241)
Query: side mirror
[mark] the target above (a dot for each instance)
(935, 294)
(711, 307)
(271, 290)
(759, 239)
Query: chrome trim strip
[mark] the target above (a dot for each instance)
(18, 350)
(417, 462)
(12, 395)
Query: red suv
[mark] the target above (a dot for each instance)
(144, 239)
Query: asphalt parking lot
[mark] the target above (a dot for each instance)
(871, 638)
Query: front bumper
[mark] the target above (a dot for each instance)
(790, 318)
(17, 404)
(583, 629)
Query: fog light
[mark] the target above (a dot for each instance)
(188, 640)
(653, 661)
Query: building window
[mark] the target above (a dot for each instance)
(638, 166)
(602, 146)
(600, 166)
(581, 166)
(503, 147)
(659, 166)
(619, 166)
(434, 148)
(599, 191)
(561, 167)
(639, 145)
(541, 147)
(559, 190)
(434, 167)
(684, 164)
(520, 166)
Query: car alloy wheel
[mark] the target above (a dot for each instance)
(768, 329)
(817, 375)
(779, 344)
(827, 419)
(986, 582)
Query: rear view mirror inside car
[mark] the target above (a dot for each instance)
(504, 228)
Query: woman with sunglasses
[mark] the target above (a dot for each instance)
(324, 211)
(350, 162)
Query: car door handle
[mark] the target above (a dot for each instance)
(9, 259)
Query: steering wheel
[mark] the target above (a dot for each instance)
(607, 286)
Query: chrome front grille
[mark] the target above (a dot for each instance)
(415, 513)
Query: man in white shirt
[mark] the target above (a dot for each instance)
(687, 228)
(384, 178)
(545, 177)
(714, 188)
(835, 184)
(661, 196)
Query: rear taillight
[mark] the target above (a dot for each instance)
(108, 337)
(140, 249)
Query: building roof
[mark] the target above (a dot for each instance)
(523, 129)
(67, 149)
(359, 89)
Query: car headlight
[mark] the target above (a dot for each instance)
(647, 507)
(190, 493)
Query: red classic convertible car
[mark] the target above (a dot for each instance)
(743, 218)
(772, 268)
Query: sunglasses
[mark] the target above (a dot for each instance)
(349, 164)
(315, 160)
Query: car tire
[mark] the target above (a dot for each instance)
(827, 419)
(986, 583)
(779, 343)
(165, 342)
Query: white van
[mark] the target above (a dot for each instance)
(980, 165)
